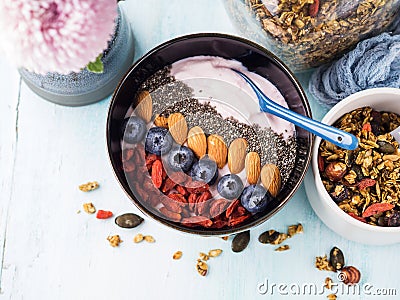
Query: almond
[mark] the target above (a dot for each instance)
(217, 149)
(161, 121)
(197, 141)
(237, 155)
(271, 179)
(144, 108)
(253, 167)
(178, 127)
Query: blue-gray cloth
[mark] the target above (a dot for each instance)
(375, 62)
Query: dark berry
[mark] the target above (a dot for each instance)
(158, 141)
(339, 193)
(180, 158)
(394, 219)
(205, 170)
(255, 198)
(230, 186)
(133, 130)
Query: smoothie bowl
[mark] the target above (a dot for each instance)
(187, 140)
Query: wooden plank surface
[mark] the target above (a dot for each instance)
(50, 252)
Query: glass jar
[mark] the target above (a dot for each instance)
(308, 33)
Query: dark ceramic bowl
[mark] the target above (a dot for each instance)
(252, 56)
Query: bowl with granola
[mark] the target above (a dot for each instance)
(359, 191)
(189, 145)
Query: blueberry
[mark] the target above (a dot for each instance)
(133, 130)
(205, 170)
(158, 141)
(180, 158)
(255, 198)
(230, 186)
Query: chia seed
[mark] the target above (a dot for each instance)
(170, 95)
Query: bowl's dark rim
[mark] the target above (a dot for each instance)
(211, 232)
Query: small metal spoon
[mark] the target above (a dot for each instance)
(336, 136)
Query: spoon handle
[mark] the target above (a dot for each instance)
(336, 136)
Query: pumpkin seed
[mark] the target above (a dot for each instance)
(268, 237)
(336, 258)
(386, 147)
(128, 220)
(240, 241)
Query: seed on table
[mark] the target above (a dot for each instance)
(336, 258)
(138, 238)
(128, 220)
(201, 267)
(89, 208)
(240, 241)
(214, 252)
(177, 255)
(149, 239)
(203, 256)
(225, 238)
(385, 147)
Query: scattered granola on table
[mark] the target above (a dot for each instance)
(322, 263)
(90, 186)
(331, 297)
(114, 240)
(282, 248)
(364, 182)
(328, 283)
(89, 208)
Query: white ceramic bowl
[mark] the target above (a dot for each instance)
(381, 99)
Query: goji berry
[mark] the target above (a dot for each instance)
(168, 185)
(237, 220)
(351, 214)
(367, 127)
(104, 214)
(197, 221)
(321, 163)
(234, 204)
(314, 8)
(172, 216)
(156, 173)
(182, 190)
(376, 208)
(170, 204)
(150, 159)
(366, 182)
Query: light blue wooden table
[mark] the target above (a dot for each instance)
(48, 251)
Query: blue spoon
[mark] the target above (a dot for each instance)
(336, 136)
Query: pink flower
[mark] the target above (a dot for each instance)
(55, 35)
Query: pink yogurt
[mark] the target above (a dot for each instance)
(218, 68)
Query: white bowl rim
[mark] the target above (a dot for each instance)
(317, 141)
